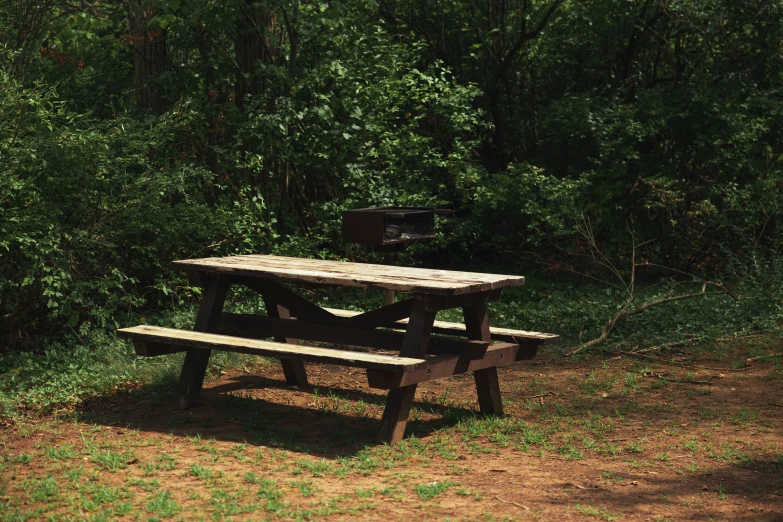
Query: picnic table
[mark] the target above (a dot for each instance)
(400, 344)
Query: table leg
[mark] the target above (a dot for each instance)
(487, 384)
(195, 367)
(399, 401)
(395, 415)
(294, 371)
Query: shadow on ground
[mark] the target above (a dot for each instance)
(327, 422)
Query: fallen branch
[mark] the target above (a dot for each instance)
(689, 381)
(512, 503)
(751, 359)
(540, 395)
(669, 345)
(630, 306)
(624, 313)
(675, 363)
(757, 333)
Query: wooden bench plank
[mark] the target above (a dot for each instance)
(208, 341)
(404, 279)
(444, 327)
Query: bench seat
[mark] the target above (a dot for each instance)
(522, 337)
(156, 340)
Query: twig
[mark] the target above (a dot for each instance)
(645, 306)
(214, 245)
(674, 363)
(623, 314)
(540, 395)
(756, 333)
(604, 331)
(745, 335)
(751, 359)
(669, 345)
(628, 283)
(512, 503)
(689, 381)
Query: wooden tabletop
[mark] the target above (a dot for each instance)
(293, 269)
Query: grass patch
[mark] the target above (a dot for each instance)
(200, 472)
(59, 452)
(111, 460)
(305, 487)
(592, 511)
(45, 489)
(432, 489)
(163, 504)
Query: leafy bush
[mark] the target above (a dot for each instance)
(91, 217)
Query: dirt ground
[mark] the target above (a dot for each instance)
(611, 438)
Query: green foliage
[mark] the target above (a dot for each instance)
(63, 374)
(656, 122)
(90, 221)
(521, 206)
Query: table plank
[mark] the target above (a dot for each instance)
(402, 279)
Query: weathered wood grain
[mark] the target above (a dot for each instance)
(501, 354)
(191, 378)
(209, 341)
(398, 404)
(295, 304)
(487, 384)
(404, 279)
(293, 370)
(448, 328)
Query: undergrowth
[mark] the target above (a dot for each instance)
(65, 372)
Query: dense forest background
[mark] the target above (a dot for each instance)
(627, 141)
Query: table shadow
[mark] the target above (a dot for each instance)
(338, 422)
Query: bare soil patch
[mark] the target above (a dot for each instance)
(603, 438)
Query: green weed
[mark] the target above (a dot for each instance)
(200, 472)
(316, 468)
(468, 493)
(59, 453)
(22, 458)
(162, 504)
(596, 512)
(45, 489)
(432, 489)
(365, 492)
(146, 485)
(305, 487)
(268, 489)
(111, 460)
(743, 417)
(637, 446)
(691, 445)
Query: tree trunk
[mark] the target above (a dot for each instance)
(150, 59)
(252, 43)
(25, 21)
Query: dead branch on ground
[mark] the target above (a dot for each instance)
(630, 306)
